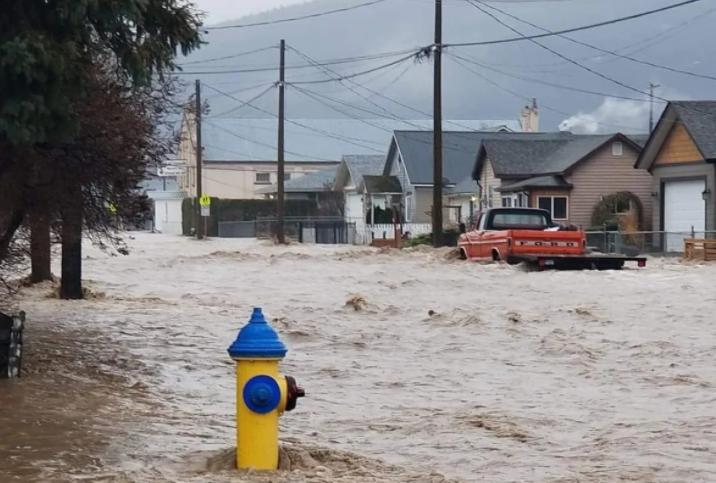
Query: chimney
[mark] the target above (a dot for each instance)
(529, 118)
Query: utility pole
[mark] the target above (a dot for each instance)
(438, 129)
(199, 226)
(652, 86)
(280, 234)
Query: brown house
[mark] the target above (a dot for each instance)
(681, 156)
(568, 175)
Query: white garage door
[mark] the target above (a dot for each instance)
(684, 208)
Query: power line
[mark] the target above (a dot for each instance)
(543, 82)
(521, 96)
(259, 143)
(225, 57)
(599, 49)
(355, 141)
(573, 29)
(272, 68)
(294, 19)
(558, 54)
(364, 72)
(377, 93)
(242, 103)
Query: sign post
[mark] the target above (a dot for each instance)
(205, 204)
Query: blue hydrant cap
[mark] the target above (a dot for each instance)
(257, 339)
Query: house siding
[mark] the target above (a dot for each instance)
(423, 204)
(489, 196)
(678, 148)
(604, 174)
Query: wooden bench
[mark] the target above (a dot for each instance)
(700, 249)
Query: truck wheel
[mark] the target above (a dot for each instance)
(463, 254)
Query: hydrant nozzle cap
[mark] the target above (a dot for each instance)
(257, 339)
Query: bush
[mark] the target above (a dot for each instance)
(242, 210)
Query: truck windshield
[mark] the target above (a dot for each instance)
(527, 221)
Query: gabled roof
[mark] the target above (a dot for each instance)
(466, 186)
(460, 149)
(699, 120)
(306, 140)
(354, 166)
(548, 156)
(555, 182)
(381, 184)
(316, 182)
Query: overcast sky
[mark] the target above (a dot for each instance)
(221, 10)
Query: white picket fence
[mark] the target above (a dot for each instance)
(387, 231)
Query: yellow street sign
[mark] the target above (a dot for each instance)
(205, 200)
(112, 208)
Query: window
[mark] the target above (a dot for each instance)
(287, 176)
(617, 149)
(507, 202)
(263, 178)
(621, 207)
(556, 205)
(517, 220)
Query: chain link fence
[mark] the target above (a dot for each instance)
(643, 242)
(321, 230)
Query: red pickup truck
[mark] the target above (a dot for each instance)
(529, 235)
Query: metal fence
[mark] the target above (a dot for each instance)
(321, 230)
(643, 242)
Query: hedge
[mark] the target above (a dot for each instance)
(241, 210)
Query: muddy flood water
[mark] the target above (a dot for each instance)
(418, 368)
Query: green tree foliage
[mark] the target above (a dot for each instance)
(48, 46)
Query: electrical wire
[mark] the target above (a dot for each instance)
(355, 141)
(273, 68)
(226, 57)
(594, 47)
(523, 97)
(242, 103)
(294, 19)
(543, 82)
(558, 54)
(573, 29)
(259, 143)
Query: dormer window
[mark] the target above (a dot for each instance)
(617, 149)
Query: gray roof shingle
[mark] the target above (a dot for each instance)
(538, 157)
(537, 182)
(251, 139)
(699, 119)
(460, 150)
(360, 165)
(382, 184)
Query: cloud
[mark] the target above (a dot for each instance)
(612, 115)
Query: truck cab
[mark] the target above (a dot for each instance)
(508, 233)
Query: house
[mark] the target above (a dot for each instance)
(349, 180)
(567, 175)
(410, 159)
(239, 154)
(308, 187)
(681, 156)
(161, 187)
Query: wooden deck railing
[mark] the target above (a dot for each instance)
(700, 249)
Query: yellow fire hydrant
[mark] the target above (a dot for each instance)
(262, 393)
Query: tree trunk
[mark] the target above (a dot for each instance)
(40, 245)
(14, 223)
(71, 286)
